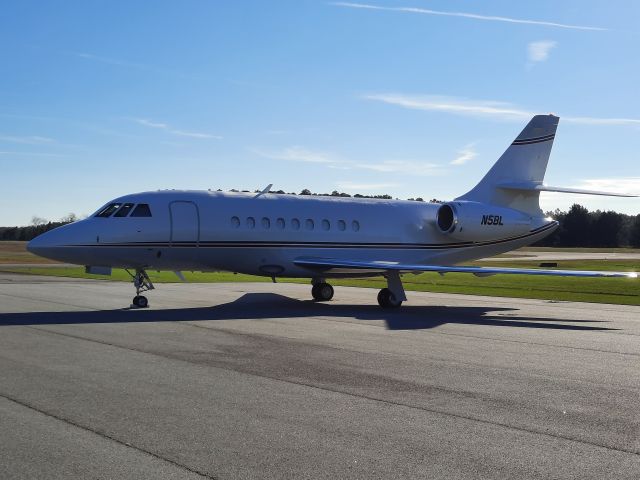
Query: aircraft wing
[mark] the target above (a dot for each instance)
(346, 266)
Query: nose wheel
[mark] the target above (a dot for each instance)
(140, 301)
(143, 284)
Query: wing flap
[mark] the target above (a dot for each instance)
(326, 264)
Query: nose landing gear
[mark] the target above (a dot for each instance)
(142, 283)
(140, 301)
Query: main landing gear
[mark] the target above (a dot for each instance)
(393, 295)
(142, 283)
(390, 297)
(321, 291)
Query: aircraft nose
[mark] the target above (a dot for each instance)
(64, 244)
(52, 244)
(40, 244)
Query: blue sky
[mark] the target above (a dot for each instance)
(406, 97)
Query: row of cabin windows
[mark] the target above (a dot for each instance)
(125, 210)
(294, 224)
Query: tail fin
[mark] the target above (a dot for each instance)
(523, 163)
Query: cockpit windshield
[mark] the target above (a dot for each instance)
(108, 210)
(124, 210)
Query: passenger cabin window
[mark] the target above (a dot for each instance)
(326, 225)
(280, 223)
(266, 223)
(124, 210)
(295, 224)
(235, 222)
(251, 222)
(142, 210)
(355, 226)
(309, 224)
(108, 210)
(342, 225)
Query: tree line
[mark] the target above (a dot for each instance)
(578, 227)
(38, 226)
(581, 228)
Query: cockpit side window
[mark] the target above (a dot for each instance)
(108, 210)
(124, 210)
(142, 210)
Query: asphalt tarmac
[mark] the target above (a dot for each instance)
(256, 381)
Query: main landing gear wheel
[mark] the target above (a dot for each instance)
(386, 299)
(322, 292)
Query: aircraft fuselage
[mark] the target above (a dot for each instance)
(264, 234)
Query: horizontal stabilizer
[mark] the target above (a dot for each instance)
(538, 187)
(325, 264)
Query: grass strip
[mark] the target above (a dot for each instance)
(599, 290)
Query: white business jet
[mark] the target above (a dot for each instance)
(323, 237)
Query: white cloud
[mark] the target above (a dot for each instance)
(602, 121)
(625, 185)
(149, 123)
(404, 166)
(464, 155)
(539, 51)
(348, 185)
(28, 140)
(482, 108)
(181, 133)
(453, 105)
(300, 154)
(330, 160)
(472, 16)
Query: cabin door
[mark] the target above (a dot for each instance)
(185, 222)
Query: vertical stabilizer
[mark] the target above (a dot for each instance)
(523, 163)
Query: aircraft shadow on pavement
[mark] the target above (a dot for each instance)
(258, 306)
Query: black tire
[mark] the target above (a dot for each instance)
(322, 292)
(386, 299)
(314, 292)
(140, 301)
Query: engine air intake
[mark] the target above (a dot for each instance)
(446, 218)
(474, 221)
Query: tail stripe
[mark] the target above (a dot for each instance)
(529, 141)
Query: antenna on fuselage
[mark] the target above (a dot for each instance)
(266, 189)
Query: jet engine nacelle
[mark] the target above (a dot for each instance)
(473, 221)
